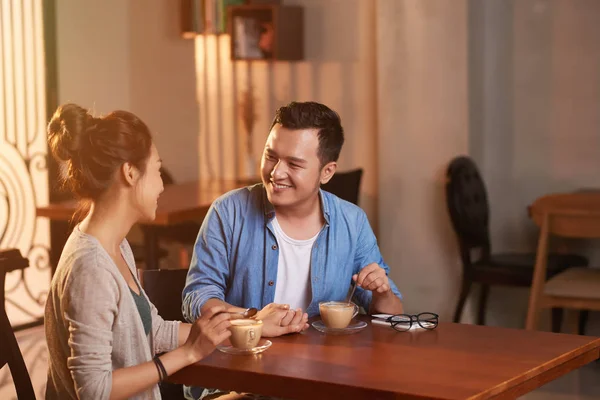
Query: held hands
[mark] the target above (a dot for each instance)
(373, 278)
(207, 332)
(279, 320)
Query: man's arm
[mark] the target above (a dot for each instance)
(207, 279)
(376, 292)
(374, 279)
(209, 269)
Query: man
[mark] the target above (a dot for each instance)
(285, 245)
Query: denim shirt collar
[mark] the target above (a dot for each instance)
(269, 209)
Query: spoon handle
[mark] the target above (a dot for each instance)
(351, 292)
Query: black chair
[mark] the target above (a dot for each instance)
(345, 185)
(164, 287)
(11, 260)
(468, 207)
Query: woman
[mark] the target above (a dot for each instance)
(103, 333)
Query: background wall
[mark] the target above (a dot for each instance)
(531, 120)
(128, 55)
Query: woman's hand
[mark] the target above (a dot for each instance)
(207, 332)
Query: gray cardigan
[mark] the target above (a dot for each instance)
(93, 326)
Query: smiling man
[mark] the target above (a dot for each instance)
(285, 245)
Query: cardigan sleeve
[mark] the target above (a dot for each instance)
(90, 309)
(165, 334)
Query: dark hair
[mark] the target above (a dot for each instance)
(95, 148)
(311, 115)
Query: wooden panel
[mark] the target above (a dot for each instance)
(456, 361)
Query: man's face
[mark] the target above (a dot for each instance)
(290, 167)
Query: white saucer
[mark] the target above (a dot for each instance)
(229, 349)
(354, 327)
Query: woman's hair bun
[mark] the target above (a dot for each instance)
(66, 129)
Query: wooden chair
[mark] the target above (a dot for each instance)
(11, 260)
(467, 202)
(345, 185)
(570, 215)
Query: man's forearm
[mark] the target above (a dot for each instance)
(386, 303)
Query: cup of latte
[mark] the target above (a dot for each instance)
(337, 314)
(245, 333)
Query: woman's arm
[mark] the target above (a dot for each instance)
(184, 332)
(204, 335)
(90, 303)
(126, 382)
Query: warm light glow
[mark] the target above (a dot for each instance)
(23, 151)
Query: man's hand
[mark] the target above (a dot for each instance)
(279, 320)
(373, 278)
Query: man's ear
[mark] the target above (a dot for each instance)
(327, 172)
(129, 173)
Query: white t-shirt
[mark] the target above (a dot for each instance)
(293, 269)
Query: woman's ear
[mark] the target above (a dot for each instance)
(129, 173)
(327, 172)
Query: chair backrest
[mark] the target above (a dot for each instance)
(345, 185)
(572, 215)
(164, 288)
(11, 260)
(466, 199)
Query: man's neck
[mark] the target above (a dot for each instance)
(301, 221)
(299, 212)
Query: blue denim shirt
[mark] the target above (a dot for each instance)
(236, 254)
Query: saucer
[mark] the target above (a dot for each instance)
(229, 349)
(354, 327)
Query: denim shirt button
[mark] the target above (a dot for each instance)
(274, 247)
(271, 283)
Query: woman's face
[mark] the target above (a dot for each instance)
(149, 187)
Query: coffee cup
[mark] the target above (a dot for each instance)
(245, 333)
(337, 314)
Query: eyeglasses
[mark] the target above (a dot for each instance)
(403, 322)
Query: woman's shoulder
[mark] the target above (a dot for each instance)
(84, 262)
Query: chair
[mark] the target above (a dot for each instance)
(574, 215)
(164, 288)
(468, 207)
(345, 185)
(11, 260)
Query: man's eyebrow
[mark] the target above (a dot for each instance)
(296, 160)
(291, 158)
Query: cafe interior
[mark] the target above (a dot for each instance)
(472, 143)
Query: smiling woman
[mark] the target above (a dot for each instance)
(104, 335)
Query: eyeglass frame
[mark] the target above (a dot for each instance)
(413, 318)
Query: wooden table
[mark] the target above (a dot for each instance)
(455, 361)
(178, 203)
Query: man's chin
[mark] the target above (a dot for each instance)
(278, 199)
